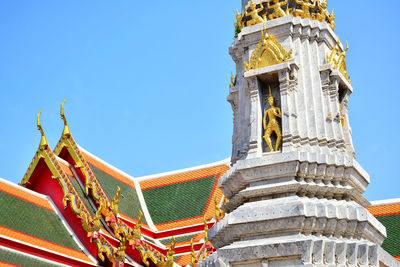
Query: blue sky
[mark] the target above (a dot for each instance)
(146, 82)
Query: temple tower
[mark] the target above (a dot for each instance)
(294, 188)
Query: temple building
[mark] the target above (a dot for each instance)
(291, 194)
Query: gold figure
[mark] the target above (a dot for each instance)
(43, 142)
(66, 133)
(323, 14)
(252, 12)
(278, 11)
(233, 81)
(332, 58)
(238, 24)
(341, 59)
(331, 20)
(273, 125)
(304, 12)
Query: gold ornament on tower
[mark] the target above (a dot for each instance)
(239, 24)
(338, 61)
(278, 11)
(252, 12)
(267, 53)
(272, 114)
(304, 12)
(324, 15)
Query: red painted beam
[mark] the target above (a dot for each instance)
(184, 230)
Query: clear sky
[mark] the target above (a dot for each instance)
(146, 82)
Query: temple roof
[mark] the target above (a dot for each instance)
(388, 213)
(34, 224)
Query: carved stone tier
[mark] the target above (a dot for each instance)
(295, 173)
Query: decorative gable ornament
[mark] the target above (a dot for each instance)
(267, 53)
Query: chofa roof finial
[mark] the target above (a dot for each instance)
(43, 142)
(66, 133)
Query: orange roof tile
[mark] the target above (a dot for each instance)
(101, 166)
(184, 259)
(25, 195)
(10, 233)
(6, 264)
(183, 177)
(385, 210)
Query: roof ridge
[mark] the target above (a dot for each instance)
(107, 164)
(385, 202)
(195, 168)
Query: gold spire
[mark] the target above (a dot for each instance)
(43, 142)
(66, 133)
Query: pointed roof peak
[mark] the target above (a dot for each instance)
(43, 142)
(66, 132)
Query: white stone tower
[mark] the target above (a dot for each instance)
(302, 204)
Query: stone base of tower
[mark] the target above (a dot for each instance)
(297, 209)
(299, 251)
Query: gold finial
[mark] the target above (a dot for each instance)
(66, 133)
(43, 142)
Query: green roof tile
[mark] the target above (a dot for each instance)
(392, 242)
(33, 220)
(128, 201)
(179, 239)
(23, 260)
(178, 201)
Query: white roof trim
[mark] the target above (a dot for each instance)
(107, 164)
(205, 166)
(2, 180)
(385, 202)
(143, 204)
(71, 232)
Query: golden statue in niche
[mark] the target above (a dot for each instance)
(252, 12)
(278, 11)
(304, 12)
(273, 125)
